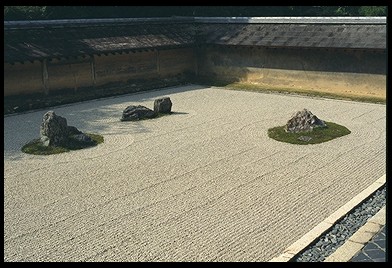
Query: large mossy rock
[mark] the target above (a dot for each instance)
(54, 131)
(303, 121)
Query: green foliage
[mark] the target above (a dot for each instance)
(95, 137)
(88, 12)
(318, 135)
(25, 12)
(372, 11)
(37, 148)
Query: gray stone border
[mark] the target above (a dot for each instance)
(358, 240)
(298, 246)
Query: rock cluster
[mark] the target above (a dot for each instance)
(303, 121)
(54, 131)
(139, 112)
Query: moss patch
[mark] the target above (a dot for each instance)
(36, 147)
(318, 135)
(305, 92)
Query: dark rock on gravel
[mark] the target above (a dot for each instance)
(134, 113)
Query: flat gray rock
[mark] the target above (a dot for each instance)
(304, 138)
(82, 138)
(134, 113)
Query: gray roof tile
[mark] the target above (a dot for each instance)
(25, 41)
(315, 35)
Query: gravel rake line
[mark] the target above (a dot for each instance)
(237, 195)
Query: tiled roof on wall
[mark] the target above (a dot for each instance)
(34, 43)
(349, 36)
(37, 40)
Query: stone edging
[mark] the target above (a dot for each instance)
(298, 246)
(358, 240)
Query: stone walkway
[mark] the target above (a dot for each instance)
(374, 250)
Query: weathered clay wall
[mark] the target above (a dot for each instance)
(120, 68)
(68, 74)
(173, 62)
(23, 78)
(74, 73)
(312, 69)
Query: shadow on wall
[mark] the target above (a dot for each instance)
(311, 69)
(318, 60)
(27, 102)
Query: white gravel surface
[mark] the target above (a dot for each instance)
(203, 184)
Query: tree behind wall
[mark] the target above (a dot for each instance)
(85, 12)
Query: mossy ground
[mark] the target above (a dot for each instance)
(37, 148)
(304, 92)
(318, 135)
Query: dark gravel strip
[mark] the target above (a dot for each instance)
(343, 229)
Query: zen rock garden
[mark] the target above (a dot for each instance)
(57, 137)
(139, 112)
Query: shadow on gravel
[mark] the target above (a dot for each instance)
(94, 116)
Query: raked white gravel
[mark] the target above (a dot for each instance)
(203, 184)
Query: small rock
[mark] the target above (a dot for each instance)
(82, 138)
(304, 138)
(163, 105)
